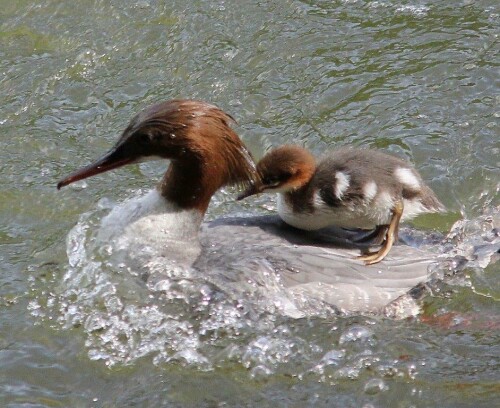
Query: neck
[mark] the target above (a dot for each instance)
(189, 185)
(301, 199)
(153, 223)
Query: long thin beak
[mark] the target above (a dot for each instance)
(113, 159)
(252, 190)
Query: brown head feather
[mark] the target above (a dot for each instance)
(205, 153)
(285, 168)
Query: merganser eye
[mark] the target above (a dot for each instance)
(143, 139)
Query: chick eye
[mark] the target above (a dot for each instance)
(271, 181)
(276, 179)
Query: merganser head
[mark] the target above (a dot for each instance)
(284, 169)
(205, 153)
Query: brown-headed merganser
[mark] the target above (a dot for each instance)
(206, 154)
(348, 188)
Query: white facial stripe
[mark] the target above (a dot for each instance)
(342, 183)
(406, 177)
(370, 190)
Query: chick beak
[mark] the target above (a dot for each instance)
(255, 188)
(115, 158)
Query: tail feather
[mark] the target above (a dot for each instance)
(430, 202)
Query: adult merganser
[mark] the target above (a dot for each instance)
(348, 188)
(205, 155)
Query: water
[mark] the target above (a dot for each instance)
(416, 79)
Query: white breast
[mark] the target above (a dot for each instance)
(305, 221)
(149, 223)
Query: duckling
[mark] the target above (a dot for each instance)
(348, 188)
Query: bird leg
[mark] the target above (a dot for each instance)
(390, 237)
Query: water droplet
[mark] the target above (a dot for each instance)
(333, 357)
(356, 333)
(374, 386)
(260, 371)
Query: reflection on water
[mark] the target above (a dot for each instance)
(417, 79)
